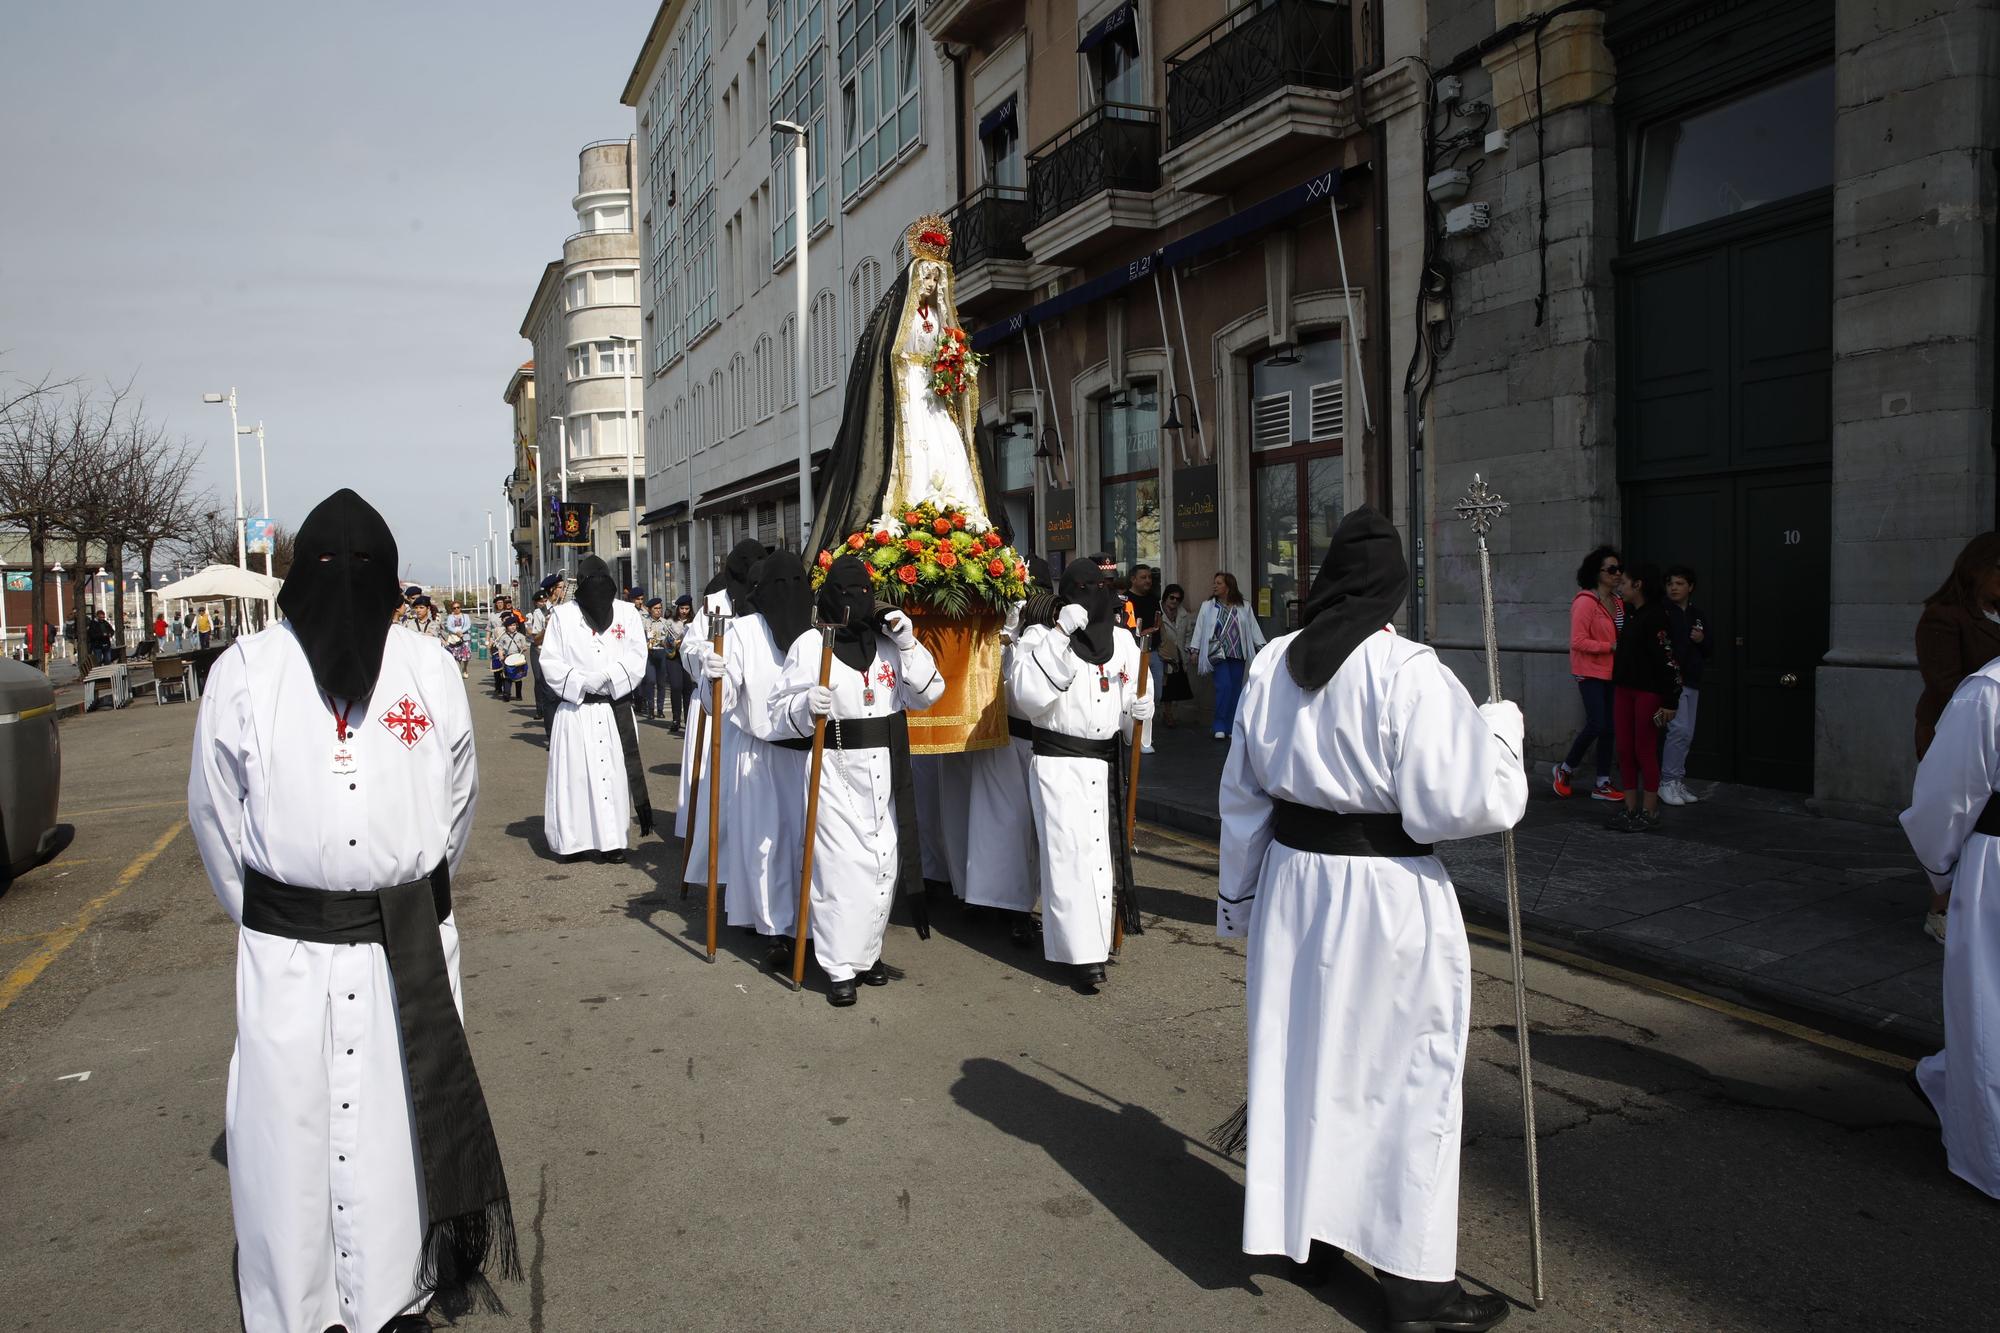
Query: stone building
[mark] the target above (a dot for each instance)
(583, 323)
(525, 496)
(1734, 308)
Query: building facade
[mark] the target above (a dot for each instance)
(720, 228)
(527, 513)
(584, 326)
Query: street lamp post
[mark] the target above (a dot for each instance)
(541, 520)
(242, 558)
(62, 617)
(801, 203)
(562, 469)
(630, 359)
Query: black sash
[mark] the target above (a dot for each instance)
(471, 1221)
(628, 740)
(1019, 728)
(1306, 828)
(1057, 745)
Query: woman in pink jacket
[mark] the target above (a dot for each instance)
(1595, 616)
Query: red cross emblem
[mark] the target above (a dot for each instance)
(884, 674)
(617, 631)
(406, 723)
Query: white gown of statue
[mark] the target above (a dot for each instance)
(1954, 782)
(935, 463)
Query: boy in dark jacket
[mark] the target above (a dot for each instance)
(1646, 678)
(1693, 642)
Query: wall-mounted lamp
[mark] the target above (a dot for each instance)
(1173, 421)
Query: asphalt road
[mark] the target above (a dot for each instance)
(693, 1146)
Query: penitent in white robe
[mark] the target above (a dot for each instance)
(323, 1174)
(1059, 691)
(1956, 779)
(1359, 976)
(766, 812)
(856, 854)
(1003, 848)
(587, 805)
(691, 817)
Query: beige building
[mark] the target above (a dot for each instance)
(523, 501)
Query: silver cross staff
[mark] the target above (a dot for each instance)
(1480, 507)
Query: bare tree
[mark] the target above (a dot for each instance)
(44, 427)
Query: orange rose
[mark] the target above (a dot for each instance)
(958, 520)
(908, 573)
(882, 537)
(854, 542)
(945, 557)
(826, 560)
(992, 541)
(913, 519)
(941, 526)
(996, 567)
(1021, 572)
(912, 545)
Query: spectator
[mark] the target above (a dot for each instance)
(1958, 633)
(203, 626)
(1648, 691)
(653, 689)
(1146, 615)
(100, 639)
(1226, 637)
(1176, 627)
(159, 631)
(1595, 617)
(679, 684)
(1693, 642)
(458, 638)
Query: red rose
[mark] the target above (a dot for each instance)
(1021, 571)
(826, 560)
(996, 567)
(912, 545)
(945, 557)
(958, 520)
(913, 519)
(908, 573)
(882, 538)
(854, 542)
(992, 541)
(941, 526)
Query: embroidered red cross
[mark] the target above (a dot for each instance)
(406, 723)
(617, 631)
(884, 674)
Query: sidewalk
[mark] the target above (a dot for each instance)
(1747, 895)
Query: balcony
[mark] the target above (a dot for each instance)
(976, 23)
(1093, 183)
(989, 249)
(1277, 76)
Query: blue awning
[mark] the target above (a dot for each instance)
(1003, 114)
(1319, 190)
(1121, 23)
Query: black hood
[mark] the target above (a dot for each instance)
(340, 593)
(847, 599)
(784, 598)
(739, 575)
(1087, 586)
(1359, 587)
(595, 592)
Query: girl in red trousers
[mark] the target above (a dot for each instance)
(1647, 691)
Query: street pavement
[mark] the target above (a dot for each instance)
(693, 1146)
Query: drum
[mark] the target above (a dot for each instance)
(517, 666)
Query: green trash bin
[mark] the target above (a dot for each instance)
(30, 770)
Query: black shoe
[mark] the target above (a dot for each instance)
(877, 975)
(1318, 1269)
(840, 994)
(1439, 1307)
(779, 959)
(1026, 931)
(1089, 976)
(615, 857)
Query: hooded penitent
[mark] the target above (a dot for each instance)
(784, 598)
(1087, 586)
(340, 593)
(739, 575)
(847, 599)
(1358, 589)
(595, 592)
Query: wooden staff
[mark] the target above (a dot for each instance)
(812, 817)
(720, 624)
(1132, 794)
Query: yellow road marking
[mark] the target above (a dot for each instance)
(37, 962)
(1609, 972)
(121, 809)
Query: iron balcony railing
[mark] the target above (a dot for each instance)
(1114, 147)
(1250, 55)
(988, 224)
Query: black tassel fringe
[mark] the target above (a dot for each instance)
(458, 1251)
(1232, 1136)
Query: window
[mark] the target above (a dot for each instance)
(1756, 149)
(864, 289)
(599, 358)
(1298, 421)
(880, 84)
(1000, 145)
(1112, 48)
(764, 363)
(696, 435)
(718, 408)
(679, 436)
(788, 368)
(609, 216)
(575, 292)
(798, 94)
(1128, 466)
(824, 356)
(1013, 476)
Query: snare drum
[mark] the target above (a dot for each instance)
(517, 666)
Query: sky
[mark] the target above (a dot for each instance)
(339, 210)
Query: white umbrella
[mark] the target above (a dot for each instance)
(222, 581)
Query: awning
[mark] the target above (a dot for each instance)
(1004, 114)
(771, 483)
(663, 513)
(1121, 23)
(1319, 190)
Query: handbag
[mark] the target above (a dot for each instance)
(1178, 688)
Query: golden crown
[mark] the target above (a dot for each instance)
(929, 237)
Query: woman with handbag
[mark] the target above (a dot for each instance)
(1176, 628)
(1226, 637)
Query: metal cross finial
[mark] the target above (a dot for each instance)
(1481, 505)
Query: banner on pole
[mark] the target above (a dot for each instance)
(257, 534)
(22, 582)
(573, 524)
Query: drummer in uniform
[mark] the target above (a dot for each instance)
(510, 657)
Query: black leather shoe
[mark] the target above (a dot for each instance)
(1439, 1307)
(1089, 976)
(877, 975)
(1026, 931)
(779, 959)
(616, 857)
(840, 994)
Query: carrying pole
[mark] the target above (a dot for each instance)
(1132, 793)
(1480, 507)
(804, 931)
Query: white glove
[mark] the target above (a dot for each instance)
(1142, 708)
(1010, 629)
(820, 699)
(1504, 717)
(1072, 618)
(900, 631)
(712, 665)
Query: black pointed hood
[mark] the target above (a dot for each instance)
(784, 598)
(847, 599)
(1085, 585)
(596, 590)
(1358, 589)
(739, 575)
(341, 592)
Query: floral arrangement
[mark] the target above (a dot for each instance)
(936, 556)
(957, 365)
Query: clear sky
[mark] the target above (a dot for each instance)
(340, 209)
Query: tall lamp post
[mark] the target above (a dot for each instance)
(235, 448)
(264, 480)
(562, 469)
(541, 520)
(629, 360)
(802, 205)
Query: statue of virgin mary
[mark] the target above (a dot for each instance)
(902, 441)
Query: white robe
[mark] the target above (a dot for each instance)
(944, 805)
(691, 817)
(1359, 977)
(1059, 691)
(855, 851)
(1003, 847)
(587, 805)
(1958, 775)
(323, 1174)
(766, 811)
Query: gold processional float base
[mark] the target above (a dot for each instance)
(972, 715)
